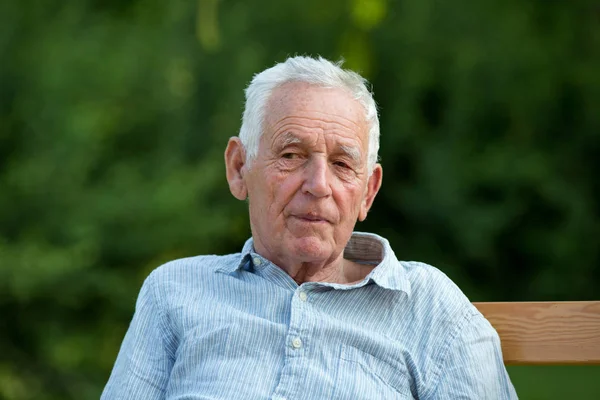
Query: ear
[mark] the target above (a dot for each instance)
(373, 185)
(235, 162)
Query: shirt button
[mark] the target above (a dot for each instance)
(256, 261)
(303, 296)
(297, 343)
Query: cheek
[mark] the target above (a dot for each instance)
(349, 199)
(284, 187)
(274, 194)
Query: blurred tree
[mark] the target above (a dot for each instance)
(114, 116)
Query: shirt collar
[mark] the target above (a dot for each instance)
(246, 254)
(364, 248)
(243, 262)
(368, 248)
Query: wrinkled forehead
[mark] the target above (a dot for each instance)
(315, 104)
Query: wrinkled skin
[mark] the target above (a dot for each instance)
(309, 183)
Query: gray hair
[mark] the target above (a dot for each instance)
(313, 71)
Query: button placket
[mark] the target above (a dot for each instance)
(297, 340)
(299, 316)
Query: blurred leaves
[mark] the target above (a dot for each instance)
(207, 28)
(367, 14)
(114, 116)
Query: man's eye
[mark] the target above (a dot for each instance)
(341, 164)
(289, 156)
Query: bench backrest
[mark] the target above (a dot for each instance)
(546, 332)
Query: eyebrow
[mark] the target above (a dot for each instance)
(351, 152)
(287, 139)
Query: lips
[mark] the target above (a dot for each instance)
(311, 217)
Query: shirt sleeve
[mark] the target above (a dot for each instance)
(473, 367)
(145, 361)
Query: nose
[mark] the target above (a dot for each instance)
(317, 180)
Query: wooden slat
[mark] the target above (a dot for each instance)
(546, 332)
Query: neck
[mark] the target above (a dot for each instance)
(313, 272)
(335, 269)
(340, 270)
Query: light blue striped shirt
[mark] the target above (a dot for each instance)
(239, 327)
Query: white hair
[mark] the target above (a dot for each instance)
(320, 72)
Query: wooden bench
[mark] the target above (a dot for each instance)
(546, 333)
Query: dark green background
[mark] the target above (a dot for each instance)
(114, 116)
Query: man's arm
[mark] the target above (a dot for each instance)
(473, 367)
(145, 360)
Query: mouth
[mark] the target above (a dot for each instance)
(311, 218)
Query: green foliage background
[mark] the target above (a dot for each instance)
(114, 116)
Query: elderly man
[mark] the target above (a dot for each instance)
(309, 309)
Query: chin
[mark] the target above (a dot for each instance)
(310, 248)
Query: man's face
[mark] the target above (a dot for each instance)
(309, 182)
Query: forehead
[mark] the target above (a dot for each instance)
(301, 105)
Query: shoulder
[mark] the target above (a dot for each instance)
(434, 296)
(190, 267)
(442, 317)
(189, 273)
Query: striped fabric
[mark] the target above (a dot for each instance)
(238, 327)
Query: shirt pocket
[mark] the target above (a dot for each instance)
(364, 376)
